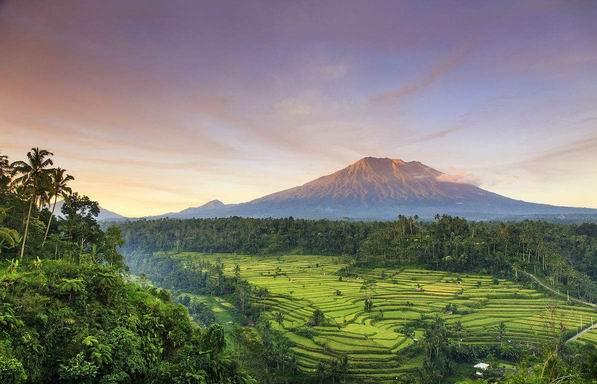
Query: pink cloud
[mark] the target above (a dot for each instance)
(436, 73)
(459, 177)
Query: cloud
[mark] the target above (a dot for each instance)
(425, 81)
(567, 160)
(459, 177)
(433, 135)
(575, 149)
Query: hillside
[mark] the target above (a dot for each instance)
(104, 214)
(380, 341)
(69, 311)
(67, 323)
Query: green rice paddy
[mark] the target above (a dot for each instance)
(589, 337)
(374, 340)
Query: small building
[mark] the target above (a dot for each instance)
(480, 369)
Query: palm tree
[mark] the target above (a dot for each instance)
(59, 188)
(279, 317)
(5, 173)
(33, 177)
(501, 332)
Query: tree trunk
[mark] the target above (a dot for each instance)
(49, 221)
(80, 252)
(26, 230)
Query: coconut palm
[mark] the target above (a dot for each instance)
(5, 173)
(9, 238)
(59, 188)
(32, 176)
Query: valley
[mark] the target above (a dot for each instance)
(382, 342)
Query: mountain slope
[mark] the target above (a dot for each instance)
(371, 181)
(104, 214)
(382, 188)
(213, 208)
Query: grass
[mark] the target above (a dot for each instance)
(373, 340)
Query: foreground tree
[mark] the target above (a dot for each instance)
(437, 365)
(33, 177)
(5, 174)
(80, 224)
(59, 188)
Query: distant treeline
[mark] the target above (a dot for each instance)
(564, 254)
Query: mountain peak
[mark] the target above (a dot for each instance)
(373, 161)
(372, 181)
(390, 168)
(379, 188)
(213, 204)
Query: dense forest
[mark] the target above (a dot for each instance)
(270, 359)
(70, 312)
(565, 255)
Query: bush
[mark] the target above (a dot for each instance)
(11, 371)
(317, 318)
(78, 370)
(304, 332)
(97, 328)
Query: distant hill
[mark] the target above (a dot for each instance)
(382, 188)
(213, 208)
(104, 215)
(107, 215)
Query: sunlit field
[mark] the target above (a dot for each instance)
(589, 337)
(373, 340)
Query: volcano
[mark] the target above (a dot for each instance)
(380, 189)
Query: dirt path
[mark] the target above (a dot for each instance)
(558, 293)
(579, 334)
(583, 331)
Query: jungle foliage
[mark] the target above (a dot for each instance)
(563, 254)
(69, 311)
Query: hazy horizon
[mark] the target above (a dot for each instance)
(172, 104)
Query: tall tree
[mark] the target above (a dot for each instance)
(5, 173)
(437, 364)
(59, 188)
(33, 176)
(80, 222)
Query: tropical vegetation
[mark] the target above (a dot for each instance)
(69, 310)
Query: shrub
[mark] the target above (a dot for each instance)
(11, 370)
(317, 318)
(304, 332)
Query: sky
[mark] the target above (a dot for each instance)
(155, 106)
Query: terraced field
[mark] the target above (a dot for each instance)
(589, 337)
(373, 340)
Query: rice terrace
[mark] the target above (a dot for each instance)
(370, 316)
